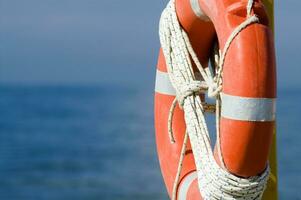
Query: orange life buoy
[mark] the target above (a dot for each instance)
(249, 82)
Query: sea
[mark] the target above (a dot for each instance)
(72, 142)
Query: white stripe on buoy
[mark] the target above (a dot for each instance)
(185, 185)
(248, 109)
(163, 84)
(233, 107)
(197, 10)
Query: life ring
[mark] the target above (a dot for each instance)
(249, 92)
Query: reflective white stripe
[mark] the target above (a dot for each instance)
(248, 109)
(197, 10)
(185, 185)
(233, 107)
(163, 84)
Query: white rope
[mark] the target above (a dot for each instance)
(180, 165)
(215, 182)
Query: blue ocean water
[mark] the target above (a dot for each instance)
(97, 142)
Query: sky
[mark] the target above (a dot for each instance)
(107, 41)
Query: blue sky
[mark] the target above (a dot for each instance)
(105, 41)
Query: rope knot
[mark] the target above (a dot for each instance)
(188, 89)
(214, 89)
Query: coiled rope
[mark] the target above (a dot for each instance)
(214, 182)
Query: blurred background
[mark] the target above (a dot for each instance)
(76, 99)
